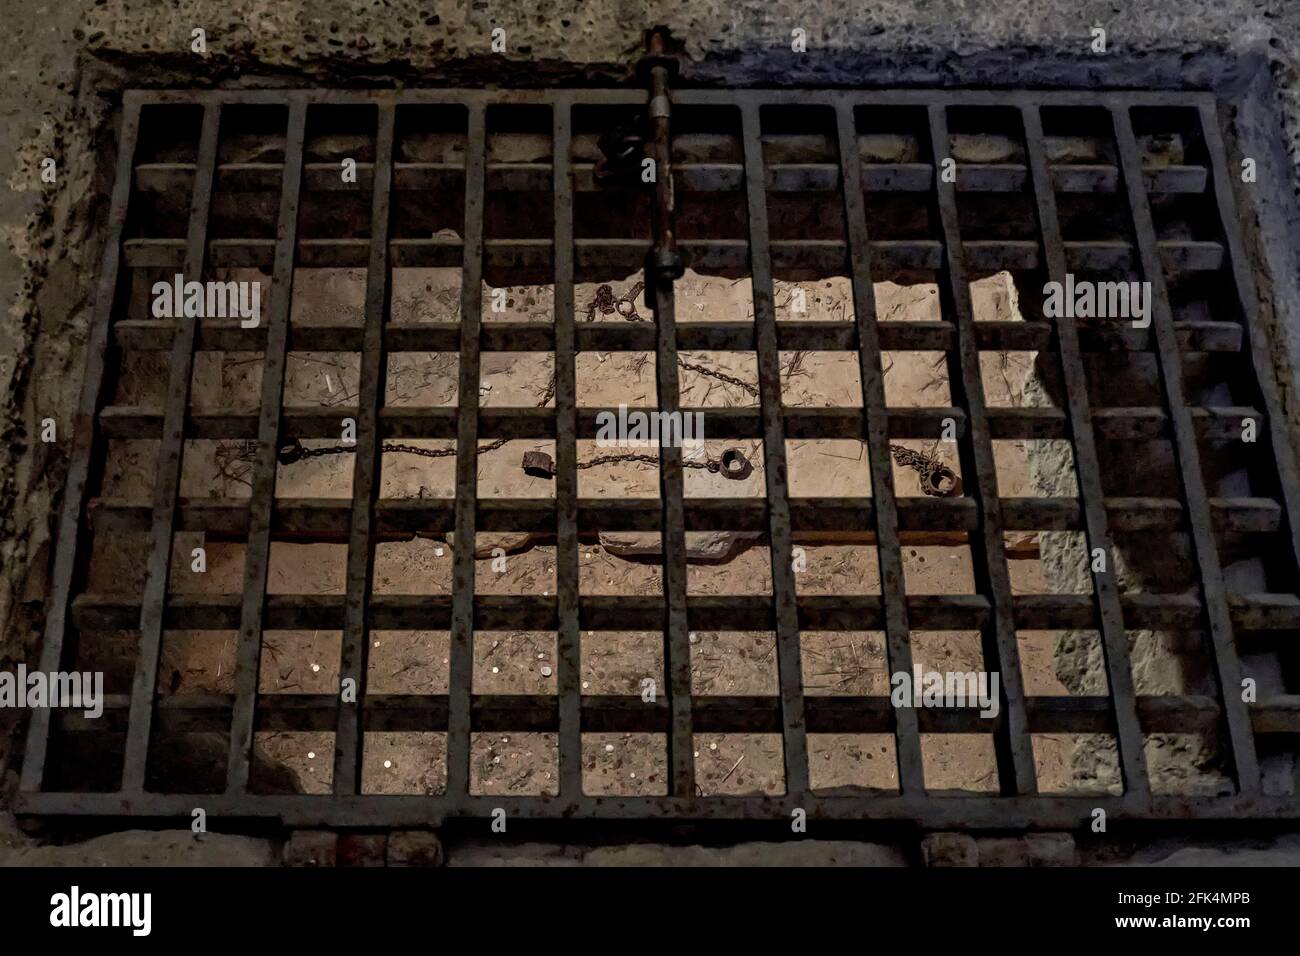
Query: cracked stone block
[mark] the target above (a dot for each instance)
(1002, 851)
(414, 848)
(1051, 849)
(949, 849)
(311, 848)
(355, 849)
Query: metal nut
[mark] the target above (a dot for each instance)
(735, 465)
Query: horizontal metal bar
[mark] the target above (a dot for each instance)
(99, 611)
(797, 96)
(827, 257)
(309, 517)
(956, 811)
(826, 714)
(1016, 336)
(1139, 423)
(687, 177)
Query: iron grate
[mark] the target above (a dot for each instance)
(400, 187)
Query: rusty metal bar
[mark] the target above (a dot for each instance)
(894, 813)
(167, 480)
(1015, 754)
(87, 441)
(354, 651)
(467, 415)
(663, 267)
(877, 432)
(568, 637)
(781, 550)
(940, 612)
(538, 713)
(1139, 422)
(1019, 336)
(262, 505)
(1119, 669)
(1227, 666)
(813, 520)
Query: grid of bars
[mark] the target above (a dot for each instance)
(1225, 615)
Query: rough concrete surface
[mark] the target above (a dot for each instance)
(810, 853)
(149, 848)
(64, 63)
(1282, 852)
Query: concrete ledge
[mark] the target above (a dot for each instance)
(146, 848)
(806, 853)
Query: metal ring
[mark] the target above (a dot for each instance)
(735, 465)
(289, 453)
(942, 482)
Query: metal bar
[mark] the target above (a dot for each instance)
(167, 480)
(943, 612)
(1227, 665)
(1119, 669)
(659, 280)
(262, 504)
(1028, 336)
(613, 713)
(781, 548)
(532, 256)
(1213, 423)
(877, 431)
(1015, 755)
(568, 637)
(1257, 334)
(354, 655)
(71, 544)
(630, 97)
(817, 520)
(471, 319)
(957, 811)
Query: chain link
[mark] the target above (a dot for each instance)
(624, 305)
(937, 479)
(720, 376)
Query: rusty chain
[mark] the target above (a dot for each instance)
(624, 305)
(294, 452)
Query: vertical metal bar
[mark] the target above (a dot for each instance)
(70, 543)
(568, 637)
(167, 480)
(1015, 755)
(892, 586)
(1106, 594)
(462, 614)
(348, 744)
(659, 279)
(262, 503)
(1240, 737)
(774, 460)
(1261, 360)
